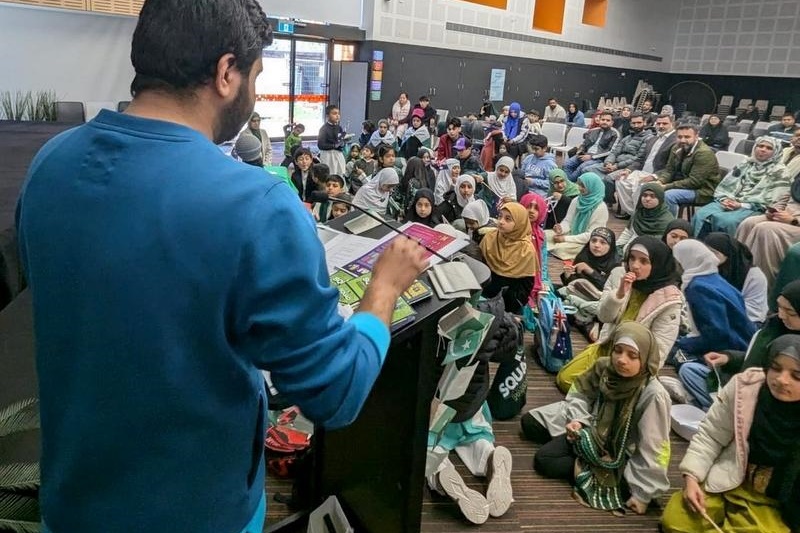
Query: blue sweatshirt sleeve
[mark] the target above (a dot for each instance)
(287, 316)
(710, 319)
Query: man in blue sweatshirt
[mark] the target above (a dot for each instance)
(164, 276)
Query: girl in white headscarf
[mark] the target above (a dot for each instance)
(446, 179)
(717, 314)
(500, 185)
(374, 195)
(477, 220)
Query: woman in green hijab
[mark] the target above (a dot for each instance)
(610, 436)
(651, 217)
(559, 197)
(584, 215)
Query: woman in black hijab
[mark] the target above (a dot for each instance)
(742, 468)
(736, 266)
(422, 209)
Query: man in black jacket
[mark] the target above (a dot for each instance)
(597, 144)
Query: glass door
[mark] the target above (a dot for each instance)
(293, 86)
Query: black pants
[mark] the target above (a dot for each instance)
(556, 460)
(516, 292)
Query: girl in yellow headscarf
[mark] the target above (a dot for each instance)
(509, 254)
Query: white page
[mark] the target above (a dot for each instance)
(345, 248)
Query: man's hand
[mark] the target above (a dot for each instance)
(716, 359)
(394, 271)
(649, 178)
(585, 157)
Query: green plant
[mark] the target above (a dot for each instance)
(43, 107)
(16, 105)
(19, 482)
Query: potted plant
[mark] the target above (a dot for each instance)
(19, 482)
(39, 106)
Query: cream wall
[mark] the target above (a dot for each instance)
(423, 23)
(739, 37)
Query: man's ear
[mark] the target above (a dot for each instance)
(228, 78)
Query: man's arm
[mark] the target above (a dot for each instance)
(284, 313)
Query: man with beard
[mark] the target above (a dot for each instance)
(165, 276)
(597, 145)
(692, 171)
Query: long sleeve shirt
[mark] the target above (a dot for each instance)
(164, 280)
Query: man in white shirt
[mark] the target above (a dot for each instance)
(554, 112)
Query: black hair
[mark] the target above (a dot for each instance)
(360, 163)
(692, 127)
(402, 93)
(455, 122)
(384, 149)
(329, 108)
(552, 98)
(344, 196)
(424, 98)
(176, 47)
(299, 126)
(369, 126)
(607, 113)
(637, 114)
(300, 150)
(788, 114)
(368, 147)
(537, 141)
(320, 171)
(334, 177)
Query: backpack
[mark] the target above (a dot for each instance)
(554, 345)
(508, 393)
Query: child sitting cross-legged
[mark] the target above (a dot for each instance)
(742, 469)
(610, 437)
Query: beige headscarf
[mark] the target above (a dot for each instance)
(511, 255)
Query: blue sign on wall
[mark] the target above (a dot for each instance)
(285, 26)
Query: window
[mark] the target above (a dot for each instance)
(548, 15)
(344, 52)
(594, 12)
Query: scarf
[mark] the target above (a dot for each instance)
(773, 437)
(537, 226)
(695, 259)
(756, 182)
(415, 175)
(679, 224)
(506, 187)
(370, 196)
(464, 200)
(603, 264)
(663, 271)
(615, 397)
(411, 212)
(513, 122)
(477, 211)
(738, 260)
(557, 175)
(774, 328)
(651, 221)
(511, 255)
(587, 203)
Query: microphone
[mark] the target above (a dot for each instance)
(319, 196)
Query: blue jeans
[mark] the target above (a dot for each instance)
(574, 167)
(674, 197)
(693, 377)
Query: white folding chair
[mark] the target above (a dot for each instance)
(704, 119)
(735, 138)
(555, 133)
(728, 160)
(573, 140)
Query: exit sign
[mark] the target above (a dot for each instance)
(285, 27)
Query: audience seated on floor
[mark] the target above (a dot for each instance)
(741, 468)
(559, 197)
(584, 215)
(537, 165)
(645, 290)
(676, 231)
(610, 437)
(651, 217)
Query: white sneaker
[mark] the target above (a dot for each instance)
(499, 494)
(473, 505)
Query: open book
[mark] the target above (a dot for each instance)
(453, 279)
